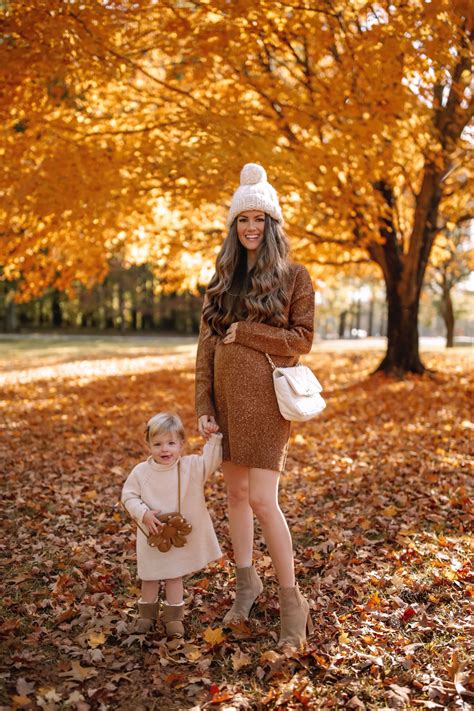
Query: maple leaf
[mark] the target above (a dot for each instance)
(214, 636)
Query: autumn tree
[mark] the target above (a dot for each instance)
(357, 109)
(361, 110)
(453, 262)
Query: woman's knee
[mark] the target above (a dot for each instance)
(265, 508)
(237, 494)
(237, 483)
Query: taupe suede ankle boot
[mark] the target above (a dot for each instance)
(248, 588)
(145, 622)
(173, 621)
(294, 617)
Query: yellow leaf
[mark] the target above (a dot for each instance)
(373, 601)
(390, 511)
(214, 636)
(95, 639)
(21, 700)
(343, 638)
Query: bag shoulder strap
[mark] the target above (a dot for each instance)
(273, 366)
(143, 530)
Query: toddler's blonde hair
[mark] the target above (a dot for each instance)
(162, 423)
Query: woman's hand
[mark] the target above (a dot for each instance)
(231, 333)
(151, 521)
(207, 425)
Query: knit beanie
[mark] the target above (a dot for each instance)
(254, 193)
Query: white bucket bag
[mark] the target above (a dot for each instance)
(298, 391)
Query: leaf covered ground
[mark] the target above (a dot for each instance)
(377, 496)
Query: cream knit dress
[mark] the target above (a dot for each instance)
(234, 381)
(155, 486)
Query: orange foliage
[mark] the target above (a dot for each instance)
(356, 109)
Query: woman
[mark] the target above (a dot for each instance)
(257, 302)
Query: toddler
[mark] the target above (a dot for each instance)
(151, 489)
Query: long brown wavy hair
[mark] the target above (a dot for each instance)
(258, 295)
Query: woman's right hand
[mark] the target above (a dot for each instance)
(207, 425)
(152, 522)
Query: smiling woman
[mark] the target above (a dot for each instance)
(257, 302)
(250, 228)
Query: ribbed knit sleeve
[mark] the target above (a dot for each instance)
(131, 497)
(205, 372)
(291, 341)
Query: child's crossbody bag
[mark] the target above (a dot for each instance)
(174, 530)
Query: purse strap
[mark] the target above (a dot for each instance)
(143, 530)
(273, 366)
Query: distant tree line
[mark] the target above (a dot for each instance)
(127, 300)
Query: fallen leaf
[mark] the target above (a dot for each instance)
(78, 672)
(95, 639)
(240, 660)
(214, 636)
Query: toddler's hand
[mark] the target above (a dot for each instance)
(207, 425)
(151, 521)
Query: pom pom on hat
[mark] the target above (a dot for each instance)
(254, 193)
(252, 173)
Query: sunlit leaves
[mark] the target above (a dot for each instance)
(161, 104)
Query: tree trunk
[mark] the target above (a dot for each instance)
(447, 312)
(358, 316)
(10, 319)
(370, 324)
(342, 324)
(402, 354)
(404, 272)
(56, 310)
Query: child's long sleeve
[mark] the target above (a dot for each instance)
(212, 455)
(131, 497)
(291, 341)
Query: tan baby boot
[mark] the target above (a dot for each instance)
(173, 621)
(145, 622)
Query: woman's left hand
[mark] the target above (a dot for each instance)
(231, 333)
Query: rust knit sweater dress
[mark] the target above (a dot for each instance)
(234, 381)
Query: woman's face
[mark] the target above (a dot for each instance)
(250, 229)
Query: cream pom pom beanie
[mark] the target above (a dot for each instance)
(254, 193)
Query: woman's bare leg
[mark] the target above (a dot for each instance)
(263, 497)
(240, 513)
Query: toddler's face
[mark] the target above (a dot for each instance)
(165, 448)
